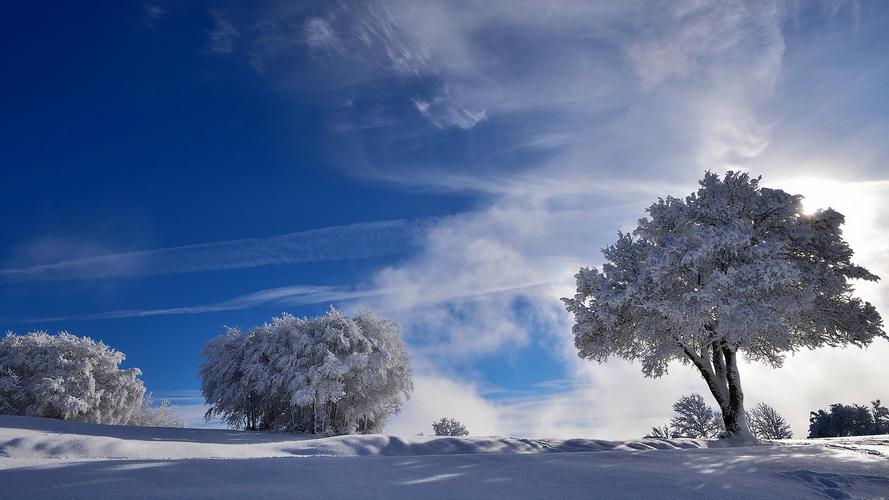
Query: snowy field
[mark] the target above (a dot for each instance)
(43, 458)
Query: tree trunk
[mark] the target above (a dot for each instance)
(314, 418)
(724, 381)
(733, 414)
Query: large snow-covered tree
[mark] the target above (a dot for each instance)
(67, 377)
(733, 268)
(330, 374)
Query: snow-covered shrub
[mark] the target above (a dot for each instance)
(733, 268)
(330, 374)
(881, 417)
(67, 377)
(662, 432)
(693, 418)
(449, 427)
(767, 423)
(149, 415)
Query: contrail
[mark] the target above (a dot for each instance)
(294, 295)
(354, 241)
(288, 295)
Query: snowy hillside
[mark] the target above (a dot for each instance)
(43, 458)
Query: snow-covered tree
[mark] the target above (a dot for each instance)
(693, 418)
(449, 427)
(67, 377)
(734, 268)
(10, 388)
(848, 420)
(881, 417)
(767, 423)
(329, 374)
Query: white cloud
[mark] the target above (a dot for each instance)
(698, 36)
(441, 113)
(319, 35)
(436, 397)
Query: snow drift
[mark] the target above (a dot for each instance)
(45, 458)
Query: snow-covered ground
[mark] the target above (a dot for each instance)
(43, 458)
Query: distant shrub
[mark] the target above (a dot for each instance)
(766, 423)
(162, 415)
(695, 419)
(663, 432)
(849, 420)
(449, 427)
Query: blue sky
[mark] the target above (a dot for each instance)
(172, 168)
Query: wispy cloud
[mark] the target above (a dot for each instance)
(221, 38)
(443, 114)
(320, 36)
(154, 12)
(555, 91)
(353, 241)
(566, 119)
(298, 295)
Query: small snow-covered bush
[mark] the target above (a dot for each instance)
(767, 423)
(663, 432)
(162, 415)
(695, 419)
(331, 374)
(449, 427)
(67, 377)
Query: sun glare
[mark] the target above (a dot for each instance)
(817, 193)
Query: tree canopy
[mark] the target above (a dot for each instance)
(330, 374)
(74, 378)
(849, 420)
